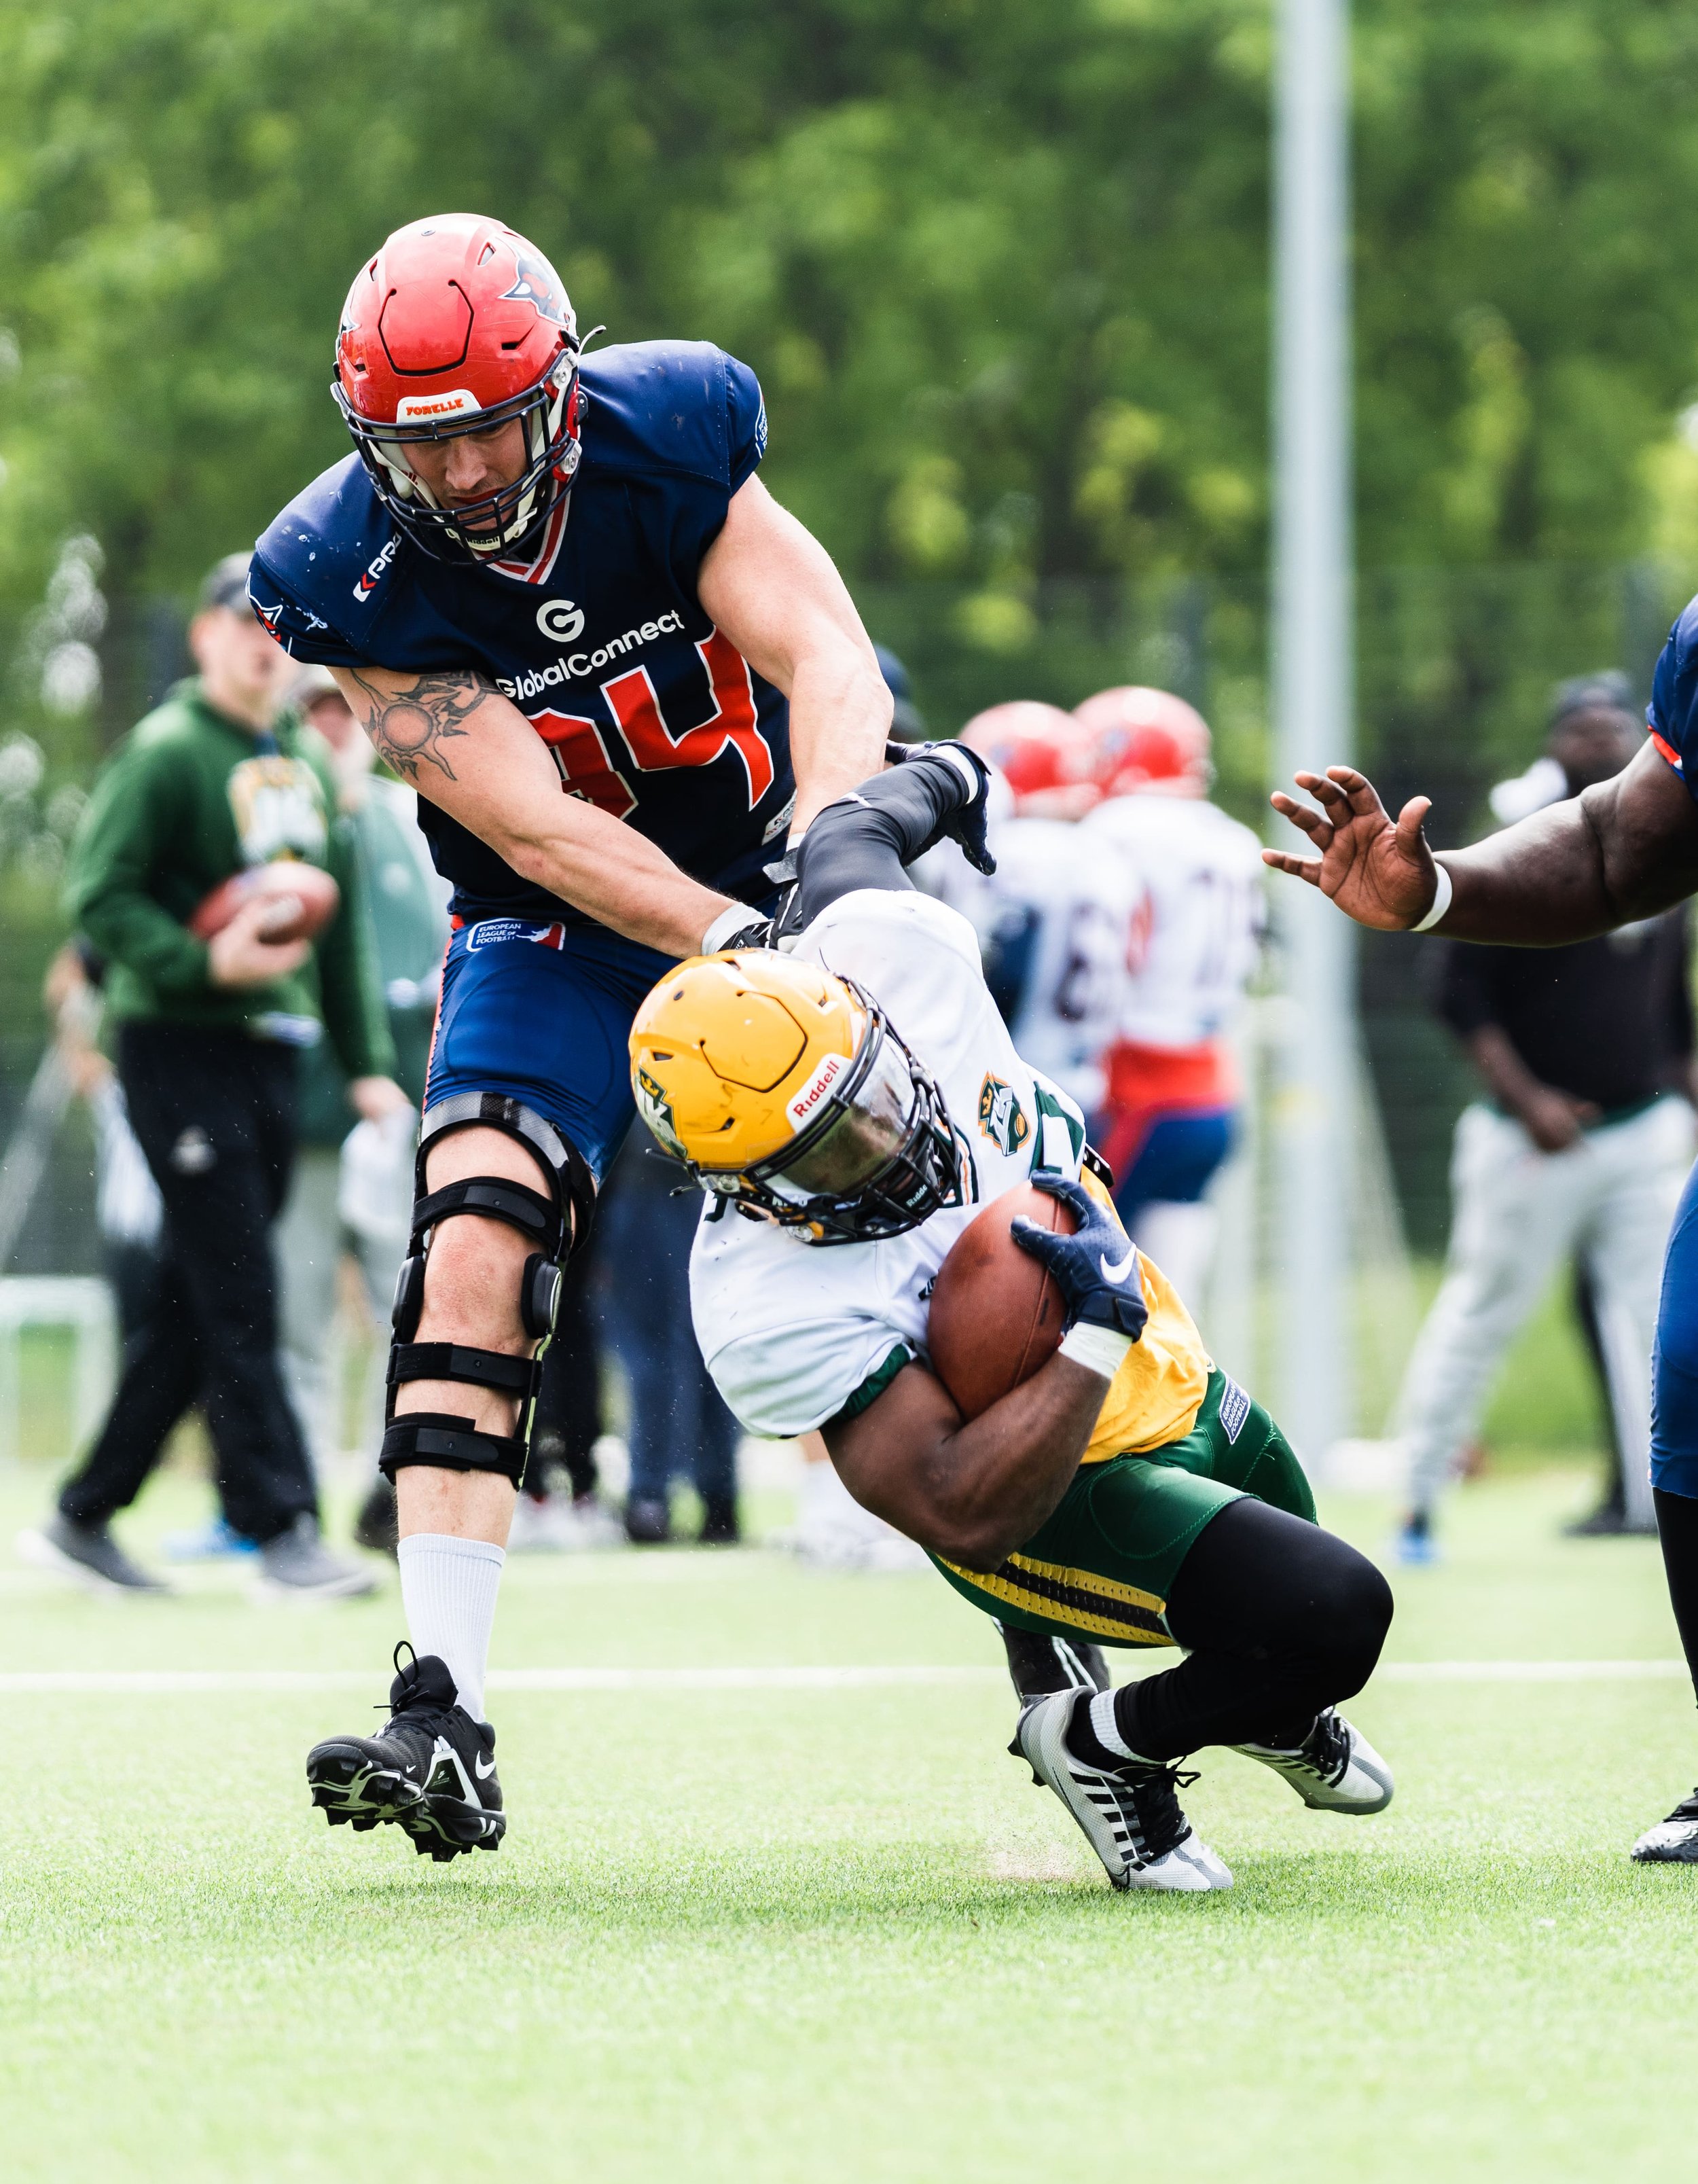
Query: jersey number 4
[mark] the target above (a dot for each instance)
(586, 766)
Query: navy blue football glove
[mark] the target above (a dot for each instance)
(1095, 1268)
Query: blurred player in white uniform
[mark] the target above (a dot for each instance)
(1053, 919)
(1168, 1118)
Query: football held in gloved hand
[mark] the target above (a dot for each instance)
(996, 1314)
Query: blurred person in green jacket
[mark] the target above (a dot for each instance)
(209, 1036)
(351, 1192)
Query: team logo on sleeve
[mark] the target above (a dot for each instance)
(374, 568)
(1002, 1119)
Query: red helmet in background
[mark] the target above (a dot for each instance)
(1041, 752)
(456, 325)
(1146, 739)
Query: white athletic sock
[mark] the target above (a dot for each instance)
(1106, 1730)
(448, 1588)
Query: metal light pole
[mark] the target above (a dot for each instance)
(1313, 1132)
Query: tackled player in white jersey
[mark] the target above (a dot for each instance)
(849, 1099)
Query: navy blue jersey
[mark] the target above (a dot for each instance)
(1673, 713)
(593, 629)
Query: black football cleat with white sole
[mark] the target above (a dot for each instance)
(1334, 1769)
(1131, 1817)
(1673, 1841)
(431, 1772)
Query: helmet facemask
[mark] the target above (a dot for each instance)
(549, 411)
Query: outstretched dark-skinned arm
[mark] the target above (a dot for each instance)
(1623, 850)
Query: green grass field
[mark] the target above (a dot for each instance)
(833, 1933)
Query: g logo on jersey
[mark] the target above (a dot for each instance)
(1002, 1119)
(561, 619)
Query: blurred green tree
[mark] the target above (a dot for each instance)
(1003, 269)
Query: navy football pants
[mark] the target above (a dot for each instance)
(1675, 1362)
(541, 1013)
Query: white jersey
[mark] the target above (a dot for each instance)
(1058, 912)
(1053, 922)
(1198, 922)
(791, 1330)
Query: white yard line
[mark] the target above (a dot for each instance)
(251, 1680)
(500, 1680)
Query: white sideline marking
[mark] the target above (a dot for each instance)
(806, 1678)
(500, 1680)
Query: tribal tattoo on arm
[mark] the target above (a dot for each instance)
(410, 727)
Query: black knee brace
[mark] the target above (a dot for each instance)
(556, 1225)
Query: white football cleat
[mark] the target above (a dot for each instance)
(833, 1532)
(1130, 1817)
(1334, 1769)
(559, 1526)
(1673, 1841)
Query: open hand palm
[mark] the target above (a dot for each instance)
(1380, 874)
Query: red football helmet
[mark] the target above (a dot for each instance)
(456, 325)
(1041, 752)
(1146, 739)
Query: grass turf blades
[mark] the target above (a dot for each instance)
(836, 1935)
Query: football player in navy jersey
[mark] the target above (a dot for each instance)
(1622, 850)
(622, 678)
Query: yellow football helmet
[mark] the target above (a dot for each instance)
(783, 1087)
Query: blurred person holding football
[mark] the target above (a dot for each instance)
(623, 681)
(351, 1191)
(213, 873)
(1055, 1437)
(1194, 938)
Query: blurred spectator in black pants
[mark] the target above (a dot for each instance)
(679, 1426)
(559, 1509)
(217, 779)
(1577, 1150)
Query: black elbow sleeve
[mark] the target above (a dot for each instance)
(865, 841)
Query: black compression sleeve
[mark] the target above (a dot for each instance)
(1677, 1525)
(1279, 1618)
(865, 840)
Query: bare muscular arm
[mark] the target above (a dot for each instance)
(774, 590)
(1623, 850)
(970, 1491)
(461, 743)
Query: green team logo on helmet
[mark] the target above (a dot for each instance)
(1002, 1118)
(656, 1111)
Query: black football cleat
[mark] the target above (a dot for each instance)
(431, 1771)
(1673, 1841)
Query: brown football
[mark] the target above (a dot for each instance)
(303, 899)
(995, 1315)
